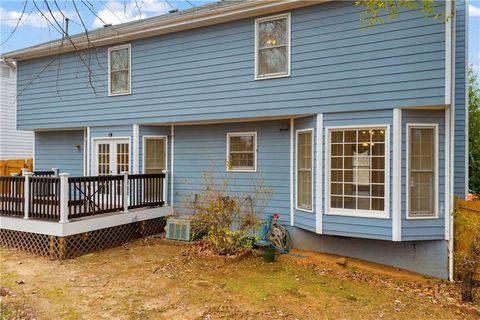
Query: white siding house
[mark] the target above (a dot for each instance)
(14, 144)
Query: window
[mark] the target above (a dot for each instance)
(422, 171)
(119, 62)
(272, 42)
(242, 151)
(304, 169)
(155, 154)
(357, 171)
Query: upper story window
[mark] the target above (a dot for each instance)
(422, 170)
(242, 151)
(272, 47)
(119, 70)
(358, 176)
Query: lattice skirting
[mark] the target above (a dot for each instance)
(76, 245)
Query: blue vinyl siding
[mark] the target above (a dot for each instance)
(430, 228)
(302, 219)
(57, 149)
(200, 149)
(373, 228)
(207, 73)
(461, 114)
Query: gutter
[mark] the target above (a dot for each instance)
(156, 26)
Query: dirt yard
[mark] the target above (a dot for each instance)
(154, 279)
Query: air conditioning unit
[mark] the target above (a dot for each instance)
(178, 229)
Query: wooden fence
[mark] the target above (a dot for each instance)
(467, 225)
(7, 167)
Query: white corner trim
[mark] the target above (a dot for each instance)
(88, 151)
(124, 46)
(318, 176)
(297, 132)
(172, 157)
(448, 204)
(136, 148)
(255, 149)
(292, 171)
(397, 176)
(436, 149)
(34, 146)
(448, 52)
(288, 45)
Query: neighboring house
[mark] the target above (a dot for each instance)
(360, 132)
(14, 144)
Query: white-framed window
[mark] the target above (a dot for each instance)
(304, 172)
(242, 151)
(422, 171)
(155, 151)
(358, 171)
(272, 46)
(119, 70)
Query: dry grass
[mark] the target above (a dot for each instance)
(152, 279)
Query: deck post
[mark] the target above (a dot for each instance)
(165, 187)
(26, 194)
(24, 171)
(125, 191)
(64, 197)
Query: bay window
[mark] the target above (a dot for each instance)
(357, 177)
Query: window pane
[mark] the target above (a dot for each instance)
(119, 81)
(155, 155)
(242, 152)
(357, 168)
(422, 171)
(272, 33)
(304, 170)
(119, 59)
(273, 60)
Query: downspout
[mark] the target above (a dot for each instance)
(172, 153)
(450, 11)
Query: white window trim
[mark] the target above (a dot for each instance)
(255, 149)
(144, 138)
(385, 214)
(436, 150)
(94, 153)
(110, 94)
(297, 132)
(289, 33)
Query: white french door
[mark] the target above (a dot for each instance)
(112, 157)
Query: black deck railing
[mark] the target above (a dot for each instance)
(12, 196)
(146, 190)
(95, 195)
(44, 198)
(64, 198)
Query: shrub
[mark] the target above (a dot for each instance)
(226, 217)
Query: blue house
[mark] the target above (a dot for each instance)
(361, 132)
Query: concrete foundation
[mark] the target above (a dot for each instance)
(425, 257)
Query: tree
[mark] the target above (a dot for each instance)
(377, 10)
(474, 131)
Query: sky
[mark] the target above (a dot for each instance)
(34, 29)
